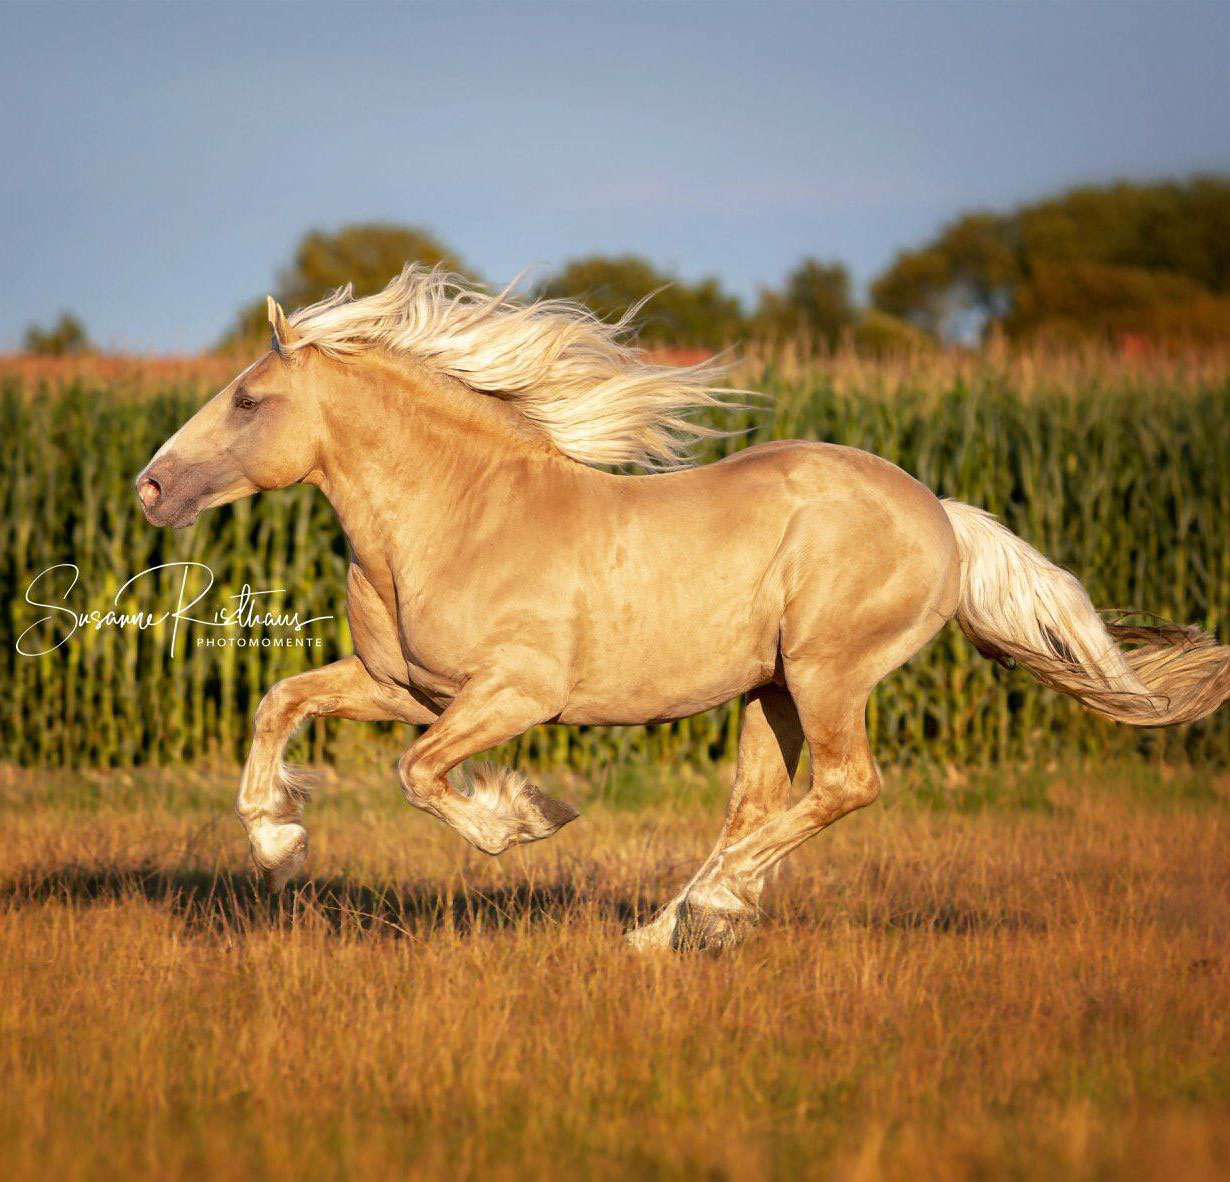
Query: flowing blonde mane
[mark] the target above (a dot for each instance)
(575, 376)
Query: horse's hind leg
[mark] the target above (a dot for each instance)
(769, 746)
(720, 902)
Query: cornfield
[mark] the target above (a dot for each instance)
(1118, 472)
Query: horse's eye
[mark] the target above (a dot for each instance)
(244, 402)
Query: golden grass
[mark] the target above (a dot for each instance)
(1020, 974)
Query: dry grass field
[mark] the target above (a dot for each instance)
(1019, 974)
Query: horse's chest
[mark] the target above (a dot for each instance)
(399, 642)
(434, 647)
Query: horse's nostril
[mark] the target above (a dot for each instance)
(149, 490)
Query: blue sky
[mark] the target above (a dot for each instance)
(160, 161)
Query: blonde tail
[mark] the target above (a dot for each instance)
(1016, 605)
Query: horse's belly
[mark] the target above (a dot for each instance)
(654, 674)
(636, 706)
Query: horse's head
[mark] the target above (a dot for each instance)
(260, 432)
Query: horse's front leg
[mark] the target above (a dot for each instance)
(499, 807)
(271, 795)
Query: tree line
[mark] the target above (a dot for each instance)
(1097, 262)
(816, 300)
(1100, 261)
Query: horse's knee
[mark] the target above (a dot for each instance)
(276, 709)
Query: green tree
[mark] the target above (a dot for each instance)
(366, 255)
(967, 274)
(1070, 301)
(814, 305)
(66, 336)
(679, 313)
(1179, 227)
(877, 334)
(1113, 258)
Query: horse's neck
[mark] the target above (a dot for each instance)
(404, 463)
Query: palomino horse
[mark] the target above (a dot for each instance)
(502, 579)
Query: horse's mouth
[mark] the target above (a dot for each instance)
(176, 517)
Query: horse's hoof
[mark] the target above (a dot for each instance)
(655, 936)
(279, 851)
(509, 810)
(540, 815)
(711, 919)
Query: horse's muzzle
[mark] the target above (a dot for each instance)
(168, 493)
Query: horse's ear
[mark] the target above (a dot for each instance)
(283, 334)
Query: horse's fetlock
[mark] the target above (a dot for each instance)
(250, 814)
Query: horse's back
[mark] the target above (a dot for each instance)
(813, 470)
